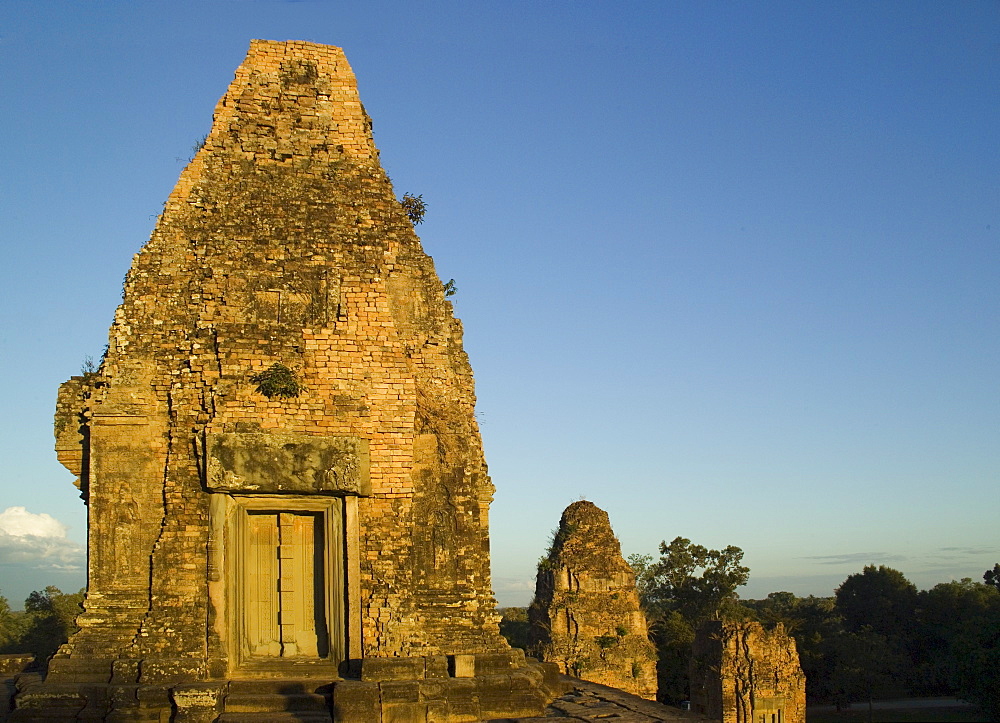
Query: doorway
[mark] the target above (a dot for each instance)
(285, 596)
(286, 582)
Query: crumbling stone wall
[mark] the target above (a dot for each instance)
(585, 616)
(742, 672)
(282, 243)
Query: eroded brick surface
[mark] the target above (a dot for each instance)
(742, 672)
(282, 243)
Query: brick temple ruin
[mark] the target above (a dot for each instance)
(742, 672)
(586, 616)
(286, 491)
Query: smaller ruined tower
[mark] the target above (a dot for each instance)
(742, 672)
(585, 616)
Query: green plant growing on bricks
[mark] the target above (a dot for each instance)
(277, 381)
(605, 641)
(414, 207)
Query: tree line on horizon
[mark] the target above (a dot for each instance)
(877, 637)
(47, 621)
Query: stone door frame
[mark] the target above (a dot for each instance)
(339, 515)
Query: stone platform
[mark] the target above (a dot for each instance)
(461, 688)
(591, 701)
(246, 701)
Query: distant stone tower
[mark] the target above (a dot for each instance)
(744, 673)
(279, 454)
(585, 616)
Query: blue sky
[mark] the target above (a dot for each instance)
(728, 270)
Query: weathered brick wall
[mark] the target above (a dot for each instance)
(586, 615)
(283, 242)
(742, 672)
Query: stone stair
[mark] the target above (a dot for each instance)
(253, 701)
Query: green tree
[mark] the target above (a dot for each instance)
(7, 629)
(514, 626)
(688, 585)
(880, 598)
(867, 665)
(882, 602)
(958, 642)
(697, 582)
(949, 615)
(816, 627)
(13, 624)
(978, 657)
(992, 577)
(673, 636)
(50, 618)
(642, 566)
(816, 634)
(779, 607)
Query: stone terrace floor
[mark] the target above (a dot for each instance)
(592, 702)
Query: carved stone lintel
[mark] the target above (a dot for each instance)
(294, 463)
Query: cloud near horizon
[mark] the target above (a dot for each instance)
(853, 558)
(38, 542)
(968, 550)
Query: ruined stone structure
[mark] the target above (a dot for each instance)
(585, 616)
(742, 672)
(284, 477)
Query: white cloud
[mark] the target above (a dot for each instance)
(857, 558)
(37, 541)
(18, 522)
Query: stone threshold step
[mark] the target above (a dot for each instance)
(284, 717)
(292, 702)
(277, 686)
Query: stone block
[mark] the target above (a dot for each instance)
(286, 462)
(462, 665)
(742, 666)
(509, 696)
(169, 670)
(11, 665)
(553, 680)
(90, 670)
(499, 663)
(462, 697)
(436, 666)
(409, 712)
(197, 702)
(400, 692)
(125, 671)
(356, 701)
(376, 669)
(97, 702)
(123, 696)
(153, 696)
(437, 712)
(48, 703)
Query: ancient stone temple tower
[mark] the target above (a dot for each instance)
(279, 456)
(742, 672)
(585, 616)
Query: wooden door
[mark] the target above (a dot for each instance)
(260, 572)
(285, 604)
